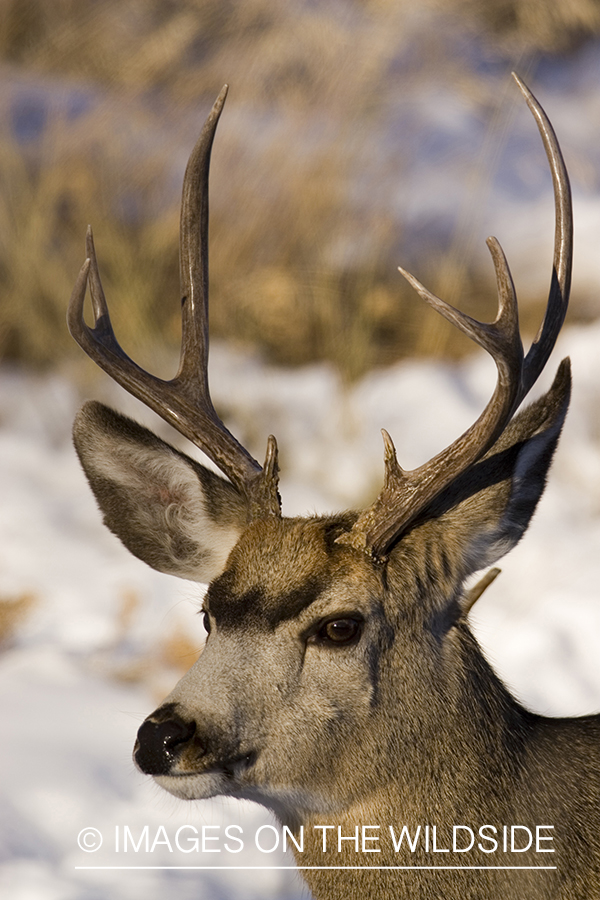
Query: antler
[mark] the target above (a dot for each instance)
(183, 402)
(406, 494)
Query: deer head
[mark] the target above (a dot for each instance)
(338, 665)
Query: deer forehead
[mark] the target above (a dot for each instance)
(279, 567)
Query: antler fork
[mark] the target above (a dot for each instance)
(406, 494)
(184, 401)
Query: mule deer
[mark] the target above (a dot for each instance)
(340, 685)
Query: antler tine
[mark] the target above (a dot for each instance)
(193, 256)
(558, 299)
(406, 494)
(500, 338)
(184, 401)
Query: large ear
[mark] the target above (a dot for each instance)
(168, 510)
(488, 509)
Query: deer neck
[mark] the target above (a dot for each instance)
(463, 763)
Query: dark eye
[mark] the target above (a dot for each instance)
(340, 631)
(206, 622)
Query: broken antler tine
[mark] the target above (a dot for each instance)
(271, 466)
(266, 495)
(393, 470)
(472, 596)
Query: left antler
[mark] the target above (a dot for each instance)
(405, 495)
(184, 402)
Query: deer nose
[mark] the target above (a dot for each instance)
(159, 740)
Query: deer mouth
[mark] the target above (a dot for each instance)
(202, 782)
(230, 768)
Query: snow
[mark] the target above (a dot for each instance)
(91, 657)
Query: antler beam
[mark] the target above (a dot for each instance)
(184, 401)
(405, 495)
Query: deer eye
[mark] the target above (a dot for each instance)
(206, 622)
(340, 631)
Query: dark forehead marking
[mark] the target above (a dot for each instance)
(256, 605)
(277, 569)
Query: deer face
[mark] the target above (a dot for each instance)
(313, 646)
(297, 626)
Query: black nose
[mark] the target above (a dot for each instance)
(160, 739)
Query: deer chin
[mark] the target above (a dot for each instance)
(285, 803)
(194, 787)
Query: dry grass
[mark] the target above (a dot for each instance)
(178, 44)
(13, 612)
(46, 201)
(548, 26)
(299, 266)
(159, 666)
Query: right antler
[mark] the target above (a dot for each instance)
(184, 402)
(405, 495)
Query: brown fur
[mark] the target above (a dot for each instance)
(406, 725)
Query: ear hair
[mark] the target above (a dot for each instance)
(167, 509)
(487, 510)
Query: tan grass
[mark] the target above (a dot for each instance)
(178, 652)
(13, 612)
(295, 268)
(158, 666)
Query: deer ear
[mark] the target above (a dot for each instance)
(488, 509)
(167, 509)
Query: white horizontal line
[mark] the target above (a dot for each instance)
(277, 868)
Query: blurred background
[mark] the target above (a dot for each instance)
(358, 135)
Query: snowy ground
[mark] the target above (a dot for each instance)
(103, 637)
